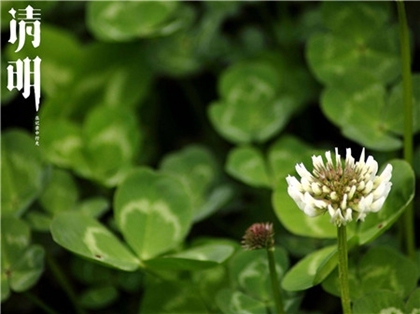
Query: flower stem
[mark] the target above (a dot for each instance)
(343, 268)
(39, 303)
(65, 284)
(275, 285)
(408, 121)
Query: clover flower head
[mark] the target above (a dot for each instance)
(345, 192)
(259, 236)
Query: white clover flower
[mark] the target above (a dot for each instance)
(346, 193)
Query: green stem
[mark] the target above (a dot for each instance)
(275, 285)
(408, 122)
(39, 303)
(343, 269)
(65, 284)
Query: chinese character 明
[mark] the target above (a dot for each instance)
(29, 25)
(19, 76)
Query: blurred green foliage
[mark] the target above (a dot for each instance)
(168, 128)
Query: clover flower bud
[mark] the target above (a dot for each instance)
(259, 236)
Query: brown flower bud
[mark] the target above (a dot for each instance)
(259, 236)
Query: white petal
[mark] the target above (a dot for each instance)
(365, 203)
(377, 205)
(297, 197)
(380, 190)
(301, 170)
(348, 216)
(337, 218)
(349, 158)
(320, 204)
(309, 199)
(310, 206)
(329, 160)
(352, 191)
(310, 211)
(343, 203)
(331, 210)
(316, 189)
(387, 173)
(387, 189)
(317, 161)
(372, 165)
(362, 156)
(306, 185)
(369, 187)
(334, 196)
(361, 216)
(337, 157)
(291, 180)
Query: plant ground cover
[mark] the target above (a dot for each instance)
(168, 129)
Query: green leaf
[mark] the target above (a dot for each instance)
(357, 105)
(112, 75)
(195, 258)
(382, 268)
(244, 123)
(393, 115)
(130, 282)
(235, 302)
(90, 273)
(179, 297)
(401, 194)
(218, 197)
(387, 269)
(22, 263)
(356, 22)
(295, 220)
(250, 109)
(98, 297)
(174, 55)
(249, 82)
(125, 21)
(153, 212)
(26, 271)
(5, 290)
(209, 282)
(85, 236)
(332, 56)
(110, 132)
(250, 272)
(379, 302)
(309, 271)
(22, 172)
(93, 207)
(61, 192)
(413, 303)
(194, 165)
(285, 153)
(62, 143)
(38, 221)
(247, 164)
(197, 168)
